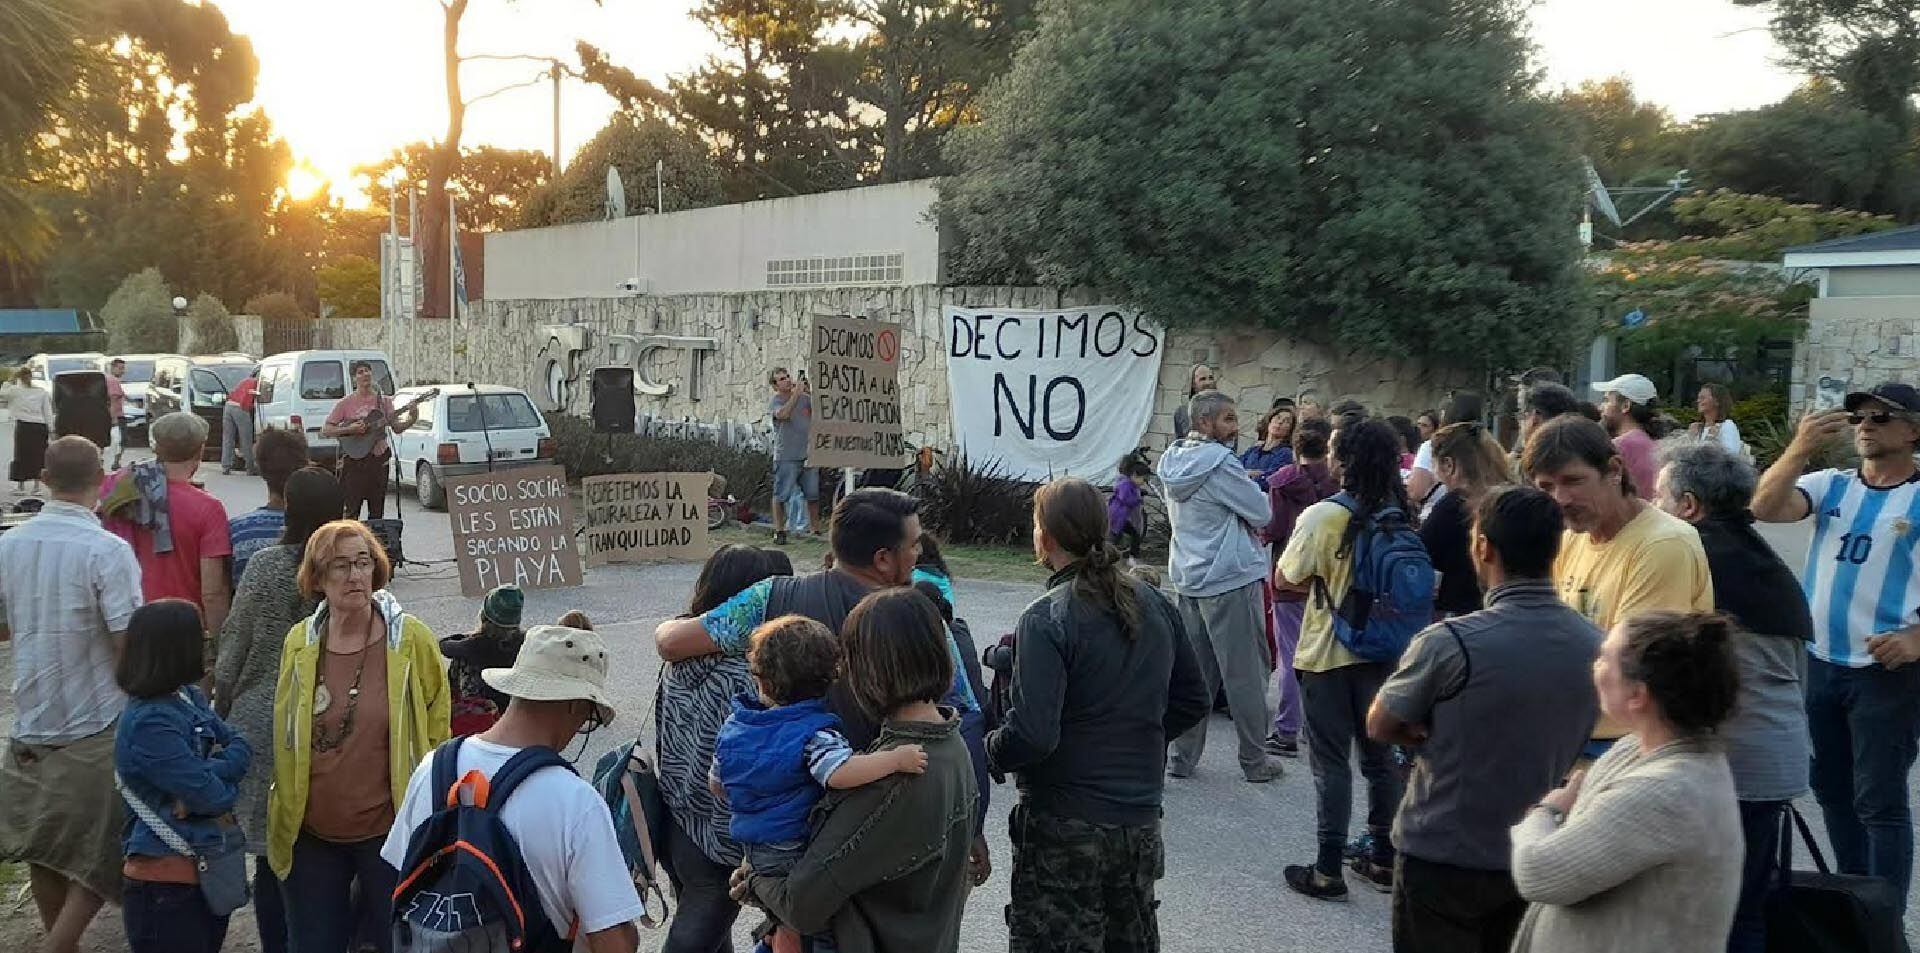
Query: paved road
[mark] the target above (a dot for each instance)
(1226, 840)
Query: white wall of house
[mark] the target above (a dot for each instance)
(879, 236)
(1872, 282)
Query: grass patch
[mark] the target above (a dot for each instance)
(997, 563)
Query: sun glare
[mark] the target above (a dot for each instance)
(303, 181)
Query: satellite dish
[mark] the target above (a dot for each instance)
(1597, 193)
(616, 195)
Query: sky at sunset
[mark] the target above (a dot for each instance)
(348, 80)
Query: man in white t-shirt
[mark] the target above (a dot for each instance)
(557, 685)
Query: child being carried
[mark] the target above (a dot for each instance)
(779, 752)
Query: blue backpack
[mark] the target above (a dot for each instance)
(464, 885)
(1391, 597)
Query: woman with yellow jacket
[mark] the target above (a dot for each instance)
(362, 698)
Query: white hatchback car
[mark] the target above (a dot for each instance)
(468, 429)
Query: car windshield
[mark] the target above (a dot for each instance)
(61, 365)
(138, 372)
(465, 414)
(230, 374)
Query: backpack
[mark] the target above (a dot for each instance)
(1391, 597)
(626, 781)
(998, 658)
(464, 885)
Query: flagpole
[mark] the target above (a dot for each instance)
(413, 330)
(390, 265)
(453, 281)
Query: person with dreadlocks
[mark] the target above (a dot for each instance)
(1336, 685)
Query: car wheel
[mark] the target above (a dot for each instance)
(431, 495)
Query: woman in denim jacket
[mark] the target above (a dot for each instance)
(174, 754)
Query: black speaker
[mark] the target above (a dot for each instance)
(80, 406)
(612, 407)
(388, 533)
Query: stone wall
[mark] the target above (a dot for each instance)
(759, 330)
(507, 342)
(1858, 342)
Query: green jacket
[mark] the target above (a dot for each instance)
(417, 700)
(886, 870)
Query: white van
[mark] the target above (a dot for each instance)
(298, 389)
(467, 429)
(45, 366)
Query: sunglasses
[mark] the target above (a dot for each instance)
(1878, 417)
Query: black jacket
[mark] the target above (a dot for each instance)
(1093, 709)
(1750, 582)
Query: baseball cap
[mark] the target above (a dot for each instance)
(1634, 387)
(1892, 393)
(557, 664)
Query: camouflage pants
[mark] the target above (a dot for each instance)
(1080, 887)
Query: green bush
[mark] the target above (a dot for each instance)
(213, 330)
(139, 315)
(1768, 438)
(1748, 414)
(961, 502)
(749, 473)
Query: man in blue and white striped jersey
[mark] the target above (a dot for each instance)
(1863, 688)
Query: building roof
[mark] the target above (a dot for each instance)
(1893, 239)
(1894, 247)
(39, 321)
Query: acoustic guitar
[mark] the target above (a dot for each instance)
(358, 446)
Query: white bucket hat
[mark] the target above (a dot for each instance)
(557, 664)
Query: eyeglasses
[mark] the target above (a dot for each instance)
(344, 567)
(1878, 417)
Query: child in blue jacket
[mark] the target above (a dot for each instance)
(778, 752)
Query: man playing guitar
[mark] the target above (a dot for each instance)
(361, 420)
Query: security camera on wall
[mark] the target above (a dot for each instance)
(636, 286)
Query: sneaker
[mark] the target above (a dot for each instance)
(779, 537)
(1282, 746)
(1359, 848)
(1177, 770)
(1376, 875)
(1308, 880)
(1270, 770)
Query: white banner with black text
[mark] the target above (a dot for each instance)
(1051, 393)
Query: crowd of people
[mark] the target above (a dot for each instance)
(1587, 737)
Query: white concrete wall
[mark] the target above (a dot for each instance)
(721, 249)
(1873, 282)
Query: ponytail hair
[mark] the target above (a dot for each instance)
(1073, 515)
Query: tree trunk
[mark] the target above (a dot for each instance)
(431, 242)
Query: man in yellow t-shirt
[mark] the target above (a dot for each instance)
(1621, 556)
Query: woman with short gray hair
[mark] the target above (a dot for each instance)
(1766, 739)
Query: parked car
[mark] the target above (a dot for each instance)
(198, 384)
(299, 388)
(46, 365)
(468, 429)
(142, 369)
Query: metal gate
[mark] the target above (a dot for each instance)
(294, 334)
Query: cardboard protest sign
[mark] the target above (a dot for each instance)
(856, 394)
(1046, 394)
(640, 517)
(514, 526)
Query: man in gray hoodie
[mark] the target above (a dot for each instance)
(1216, 569)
